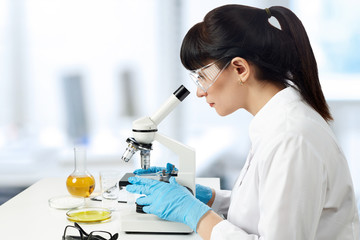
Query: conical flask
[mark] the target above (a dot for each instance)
(80, 182)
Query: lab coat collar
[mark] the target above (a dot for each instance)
(272, 113)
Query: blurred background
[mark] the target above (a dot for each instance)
(79, 72)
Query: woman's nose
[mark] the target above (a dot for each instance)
(200, 92)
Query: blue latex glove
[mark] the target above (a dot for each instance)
(203, 193)
(169, 168)
(169, 201)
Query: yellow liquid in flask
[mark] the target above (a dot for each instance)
(80, 186)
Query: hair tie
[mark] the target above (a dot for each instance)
(268, 12)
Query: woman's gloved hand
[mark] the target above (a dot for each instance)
(169, 168)
(169, 201)
(203, 193)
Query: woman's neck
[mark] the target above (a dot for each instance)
(260, 93)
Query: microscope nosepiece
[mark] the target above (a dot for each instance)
(129, 152)
(130, 149)
(133, 147)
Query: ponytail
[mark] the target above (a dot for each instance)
(305, 76)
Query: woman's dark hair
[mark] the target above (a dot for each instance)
(281, 55)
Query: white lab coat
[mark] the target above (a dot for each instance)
(295, 183)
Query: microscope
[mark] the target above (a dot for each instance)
(145, 132)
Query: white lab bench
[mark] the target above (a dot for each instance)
(28, 215)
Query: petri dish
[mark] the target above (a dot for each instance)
(89, 215)
(66, 202)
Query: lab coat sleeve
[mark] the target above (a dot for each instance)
(292, 186)
(222, 201)
(228, 231)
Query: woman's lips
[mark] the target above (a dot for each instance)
(211, 104)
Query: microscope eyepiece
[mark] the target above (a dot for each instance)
(181, 93)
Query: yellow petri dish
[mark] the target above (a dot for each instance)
(88, 215)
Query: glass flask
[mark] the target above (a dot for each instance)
(80, 182)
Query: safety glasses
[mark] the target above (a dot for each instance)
(77, 233)
(206, 76)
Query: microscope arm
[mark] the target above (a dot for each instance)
(187, 164)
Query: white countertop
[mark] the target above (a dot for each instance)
(28, 215)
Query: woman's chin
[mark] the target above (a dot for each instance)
(223, 113)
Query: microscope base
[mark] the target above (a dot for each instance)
(134, 222)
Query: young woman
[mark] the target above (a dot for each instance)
(295, 183)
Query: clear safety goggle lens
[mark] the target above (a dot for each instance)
(206, 76)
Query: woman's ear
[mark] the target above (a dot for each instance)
(242, 68)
